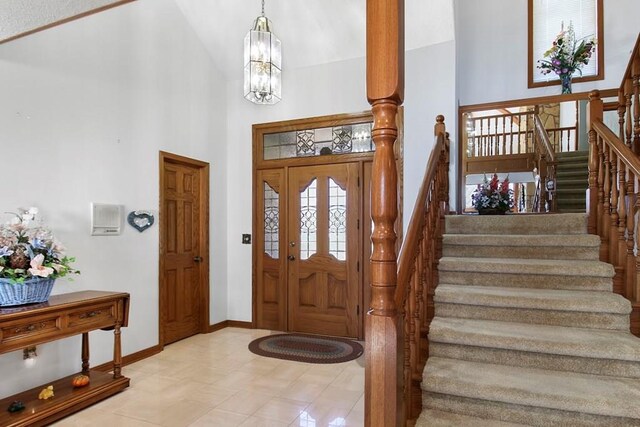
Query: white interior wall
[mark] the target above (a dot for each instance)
(492, 49)
(330, 89)
(85, 108)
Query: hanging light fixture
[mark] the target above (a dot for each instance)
(262, 63)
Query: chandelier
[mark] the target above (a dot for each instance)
(262, 63)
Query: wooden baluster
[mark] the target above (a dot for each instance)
(600, 209)
(576, 126)
(622, 109)
(622, 213)
(482, 137)
(613, 233)
(628, 89)
(595, 112)
(634, 281)
(504, 134)
(385, 91)
(606, 207)
(636, 105)
(630, 266)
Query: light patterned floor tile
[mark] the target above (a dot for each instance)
(213, 380)
(218, 418)
(279, 409)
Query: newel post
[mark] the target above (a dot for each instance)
(385, 92)
(594, 112)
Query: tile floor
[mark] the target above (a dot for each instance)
(214, 380)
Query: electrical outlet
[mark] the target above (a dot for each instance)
(246, 239)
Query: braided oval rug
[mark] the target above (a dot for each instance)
(307, 348)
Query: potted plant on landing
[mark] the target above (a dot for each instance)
(493, 197)
(566, 56)
(30, 260)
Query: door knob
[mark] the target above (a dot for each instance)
(197, 258)
(291, 258)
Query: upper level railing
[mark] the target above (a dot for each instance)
(629, 102)
(418, 270)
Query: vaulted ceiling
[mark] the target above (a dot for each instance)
(312, 32)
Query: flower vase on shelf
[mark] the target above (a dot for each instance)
(565, 80)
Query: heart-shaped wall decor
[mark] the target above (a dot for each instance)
(140, 220)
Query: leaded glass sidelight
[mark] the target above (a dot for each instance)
(337, 221)
(271, 221)
(308, 220)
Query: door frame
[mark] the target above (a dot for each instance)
(258, 163)
(166, 157)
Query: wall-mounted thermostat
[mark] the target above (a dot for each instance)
(106, 220)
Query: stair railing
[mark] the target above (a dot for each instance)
(418, 270)
(613, 203)
(629, 102)
(546, 161)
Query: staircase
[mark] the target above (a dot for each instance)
(572, 180)
(527, 330)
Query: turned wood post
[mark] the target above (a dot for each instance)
(595, 111)
(385, 92)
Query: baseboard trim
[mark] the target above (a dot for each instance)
(240, 324)
(218, 326)
(230, 324)
(131, 358)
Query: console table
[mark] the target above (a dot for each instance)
(64, 316)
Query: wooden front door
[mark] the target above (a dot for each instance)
(183, 248)
(323, 253)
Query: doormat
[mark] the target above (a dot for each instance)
(306, 348)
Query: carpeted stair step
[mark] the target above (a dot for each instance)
(566, 166)
(516, 224)
(532, 268)
(581, 309)
(571, 174)
(433, 418)
(554, 246)
(572, 183)
(598, 352)
(571, 193)
(530, 396)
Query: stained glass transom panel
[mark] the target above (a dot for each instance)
(308, 220)
(346, 139)
(337, 221)
(271, 222)
(305, 145)
(342, 137)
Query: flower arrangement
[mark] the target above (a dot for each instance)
(493, 195)
(29, 250)
(566, 56)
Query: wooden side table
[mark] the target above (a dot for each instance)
(64, 316)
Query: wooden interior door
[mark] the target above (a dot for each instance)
(323, 249)
(183, 250)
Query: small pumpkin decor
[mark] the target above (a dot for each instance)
(80, 381)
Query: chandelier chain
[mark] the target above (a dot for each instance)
(262, 7)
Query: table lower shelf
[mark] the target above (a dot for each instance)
(67, 400)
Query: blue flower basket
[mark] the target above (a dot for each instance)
(30, 291)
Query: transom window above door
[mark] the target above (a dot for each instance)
(547, 18)
(344, 139)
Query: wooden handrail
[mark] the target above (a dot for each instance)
(543, 139)
(629, 102)
(614, 182)
(624, 153)
(418, 270)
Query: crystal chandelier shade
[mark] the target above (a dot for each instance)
(262, 63)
